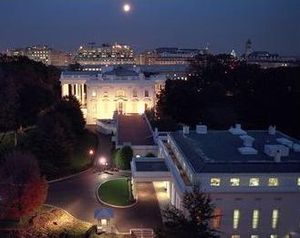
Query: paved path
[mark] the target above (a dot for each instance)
(77, 196)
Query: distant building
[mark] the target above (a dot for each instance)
(36, 53)
(60, 58)
(168, 56)
(116, 54)
(44, 54)
(266, 59)
(118, 89)
(252, 177)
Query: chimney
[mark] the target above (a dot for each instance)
(186, 130)
(238, 126)
(277, 156)
(272, 130)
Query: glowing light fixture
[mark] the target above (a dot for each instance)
(126, 7)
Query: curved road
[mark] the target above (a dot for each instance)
(77, 195)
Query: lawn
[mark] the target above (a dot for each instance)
(115, 192)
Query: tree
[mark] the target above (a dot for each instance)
(23, 190)
(53, 140)
(69, 107)
(193, 221)
(28, 88)
(123, 157)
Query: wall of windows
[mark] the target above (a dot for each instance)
(253, 182)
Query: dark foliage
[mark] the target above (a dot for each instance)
(23, 190)
(123, 157)
(221, 92)
(27, 88)
(194, 221)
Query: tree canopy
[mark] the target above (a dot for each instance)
(22, 189)
(221, 91)
(28, 88)
(193, 221)
(123, 157)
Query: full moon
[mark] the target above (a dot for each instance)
(126, 8)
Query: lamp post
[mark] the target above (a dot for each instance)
(91, 154)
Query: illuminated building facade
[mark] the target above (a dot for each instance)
(168, 56)
(115, 89)
(105, 54)
(36, 53)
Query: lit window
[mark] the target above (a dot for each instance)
(146, 93)
(236, 218)
(235, 236)
(255, 218)
(235, 182)
(273, 182)
(254, 182)
(298, 181)
(275, 217)
(273, 236)
(254, 236)
(215, 182)
(94, 94)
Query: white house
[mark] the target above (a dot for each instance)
(253, 177)
(122, 89)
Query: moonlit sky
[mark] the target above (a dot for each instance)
(272, 25)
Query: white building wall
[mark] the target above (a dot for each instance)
(286, 203)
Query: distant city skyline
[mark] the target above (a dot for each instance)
(272, 25)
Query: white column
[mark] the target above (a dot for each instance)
(77, 93)
(83, 94)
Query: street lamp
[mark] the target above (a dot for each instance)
(102, 162)
(91, 152)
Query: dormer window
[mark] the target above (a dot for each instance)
(120, 93)
(146, 93)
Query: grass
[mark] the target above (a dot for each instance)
(115, 192)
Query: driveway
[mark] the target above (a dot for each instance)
(77, 195)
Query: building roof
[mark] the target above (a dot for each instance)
(122, 71)
(153, 165)
(103, 213)
(133, 129)
(217, 151)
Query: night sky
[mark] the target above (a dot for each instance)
(272, 25)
